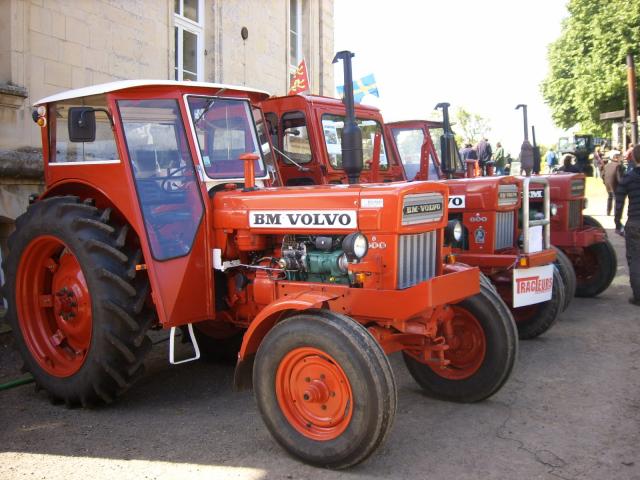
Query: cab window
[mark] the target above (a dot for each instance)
(164, 174)
(102, 150)
(409, 143)
(225, 130)
(332, 126)
(295, 139)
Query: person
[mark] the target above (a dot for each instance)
(611, 176)
(597, 162)
(630, 187)
(499, 159)
(568, 165)
(484, 155)
(552, 160)
(628, 157)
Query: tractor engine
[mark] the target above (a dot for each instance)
(319, 259)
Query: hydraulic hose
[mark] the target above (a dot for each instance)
(16, 383)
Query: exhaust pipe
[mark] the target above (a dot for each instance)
(526, 150)
(351, 135)
(446, 141)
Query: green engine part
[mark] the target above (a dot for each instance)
(323, 267)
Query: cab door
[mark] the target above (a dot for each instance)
(173, 229)
(297, 162)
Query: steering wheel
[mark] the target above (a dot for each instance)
(168, 183)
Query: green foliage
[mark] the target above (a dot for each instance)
(471, 127)
(587, 64)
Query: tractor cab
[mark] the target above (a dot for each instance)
(306, 132)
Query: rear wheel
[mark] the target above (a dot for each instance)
(534, 320)
(595, 269)
(483, 345)
(325, 389)
(568, 274)
(76, 301)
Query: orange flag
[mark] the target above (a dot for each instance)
(299, 80)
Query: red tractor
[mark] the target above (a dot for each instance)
(157, 213)
(586, 258)
(581, 237)
(306, 132)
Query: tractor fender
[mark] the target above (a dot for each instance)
(84, 189)
(264, 321)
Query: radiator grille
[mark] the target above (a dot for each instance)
(504, 229)
(575, 213)
(417, 257)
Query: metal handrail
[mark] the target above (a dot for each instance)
(546, 222)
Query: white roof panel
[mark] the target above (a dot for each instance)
(123, 84)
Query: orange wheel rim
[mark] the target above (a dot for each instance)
(314, 394)
(467, 346)
(53, 306)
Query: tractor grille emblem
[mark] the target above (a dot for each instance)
(422, 208)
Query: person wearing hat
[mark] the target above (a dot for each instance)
(629, 186)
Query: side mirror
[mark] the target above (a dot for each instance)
(82, 124)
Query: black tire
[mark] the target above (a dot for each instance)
(487, 282)
(603, 257)
(501, 353)
(118, 293)
(541, 316)
(367, 370)
(568, 274)
(589, 221)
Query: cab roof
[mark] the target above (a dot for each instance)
(127, 84)
(322, 100)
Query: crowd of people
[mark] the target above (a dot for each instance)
(489, 162)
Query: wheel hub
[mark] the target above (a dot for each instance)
(314, 393)
(54, 306)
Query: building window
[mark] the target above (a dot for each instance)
(295, 33)
(189, 39)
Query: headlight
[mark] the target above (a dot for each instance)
(453, 231)
(554, 209)
(355, 246)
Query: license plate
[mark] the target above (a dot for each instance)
(532, 285)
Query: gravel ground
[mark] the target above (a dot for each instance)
(571, 410)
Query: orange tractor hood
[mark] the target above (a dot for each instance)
(484, 193)
(385, 208)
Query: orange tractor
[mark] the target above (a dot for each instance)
(306, 132)
(158, 213)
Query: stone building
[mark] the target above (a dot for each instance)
(48, 46)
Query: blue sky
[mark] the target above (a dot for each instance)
(486, 56)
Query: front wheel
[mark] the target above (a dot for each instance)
(590, 221)
(568, 274)
(595, 269)
(483, 346)
(325, 389)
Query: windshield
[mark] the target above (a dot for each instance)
(332, 126)
(225, 130)
(409, 142)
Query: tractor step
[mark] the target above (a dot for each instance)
(172, 345)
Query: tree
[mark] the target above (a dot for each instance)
(471, 126)
(587, 63)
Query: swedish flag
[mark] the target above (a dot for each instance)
(361, 87)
